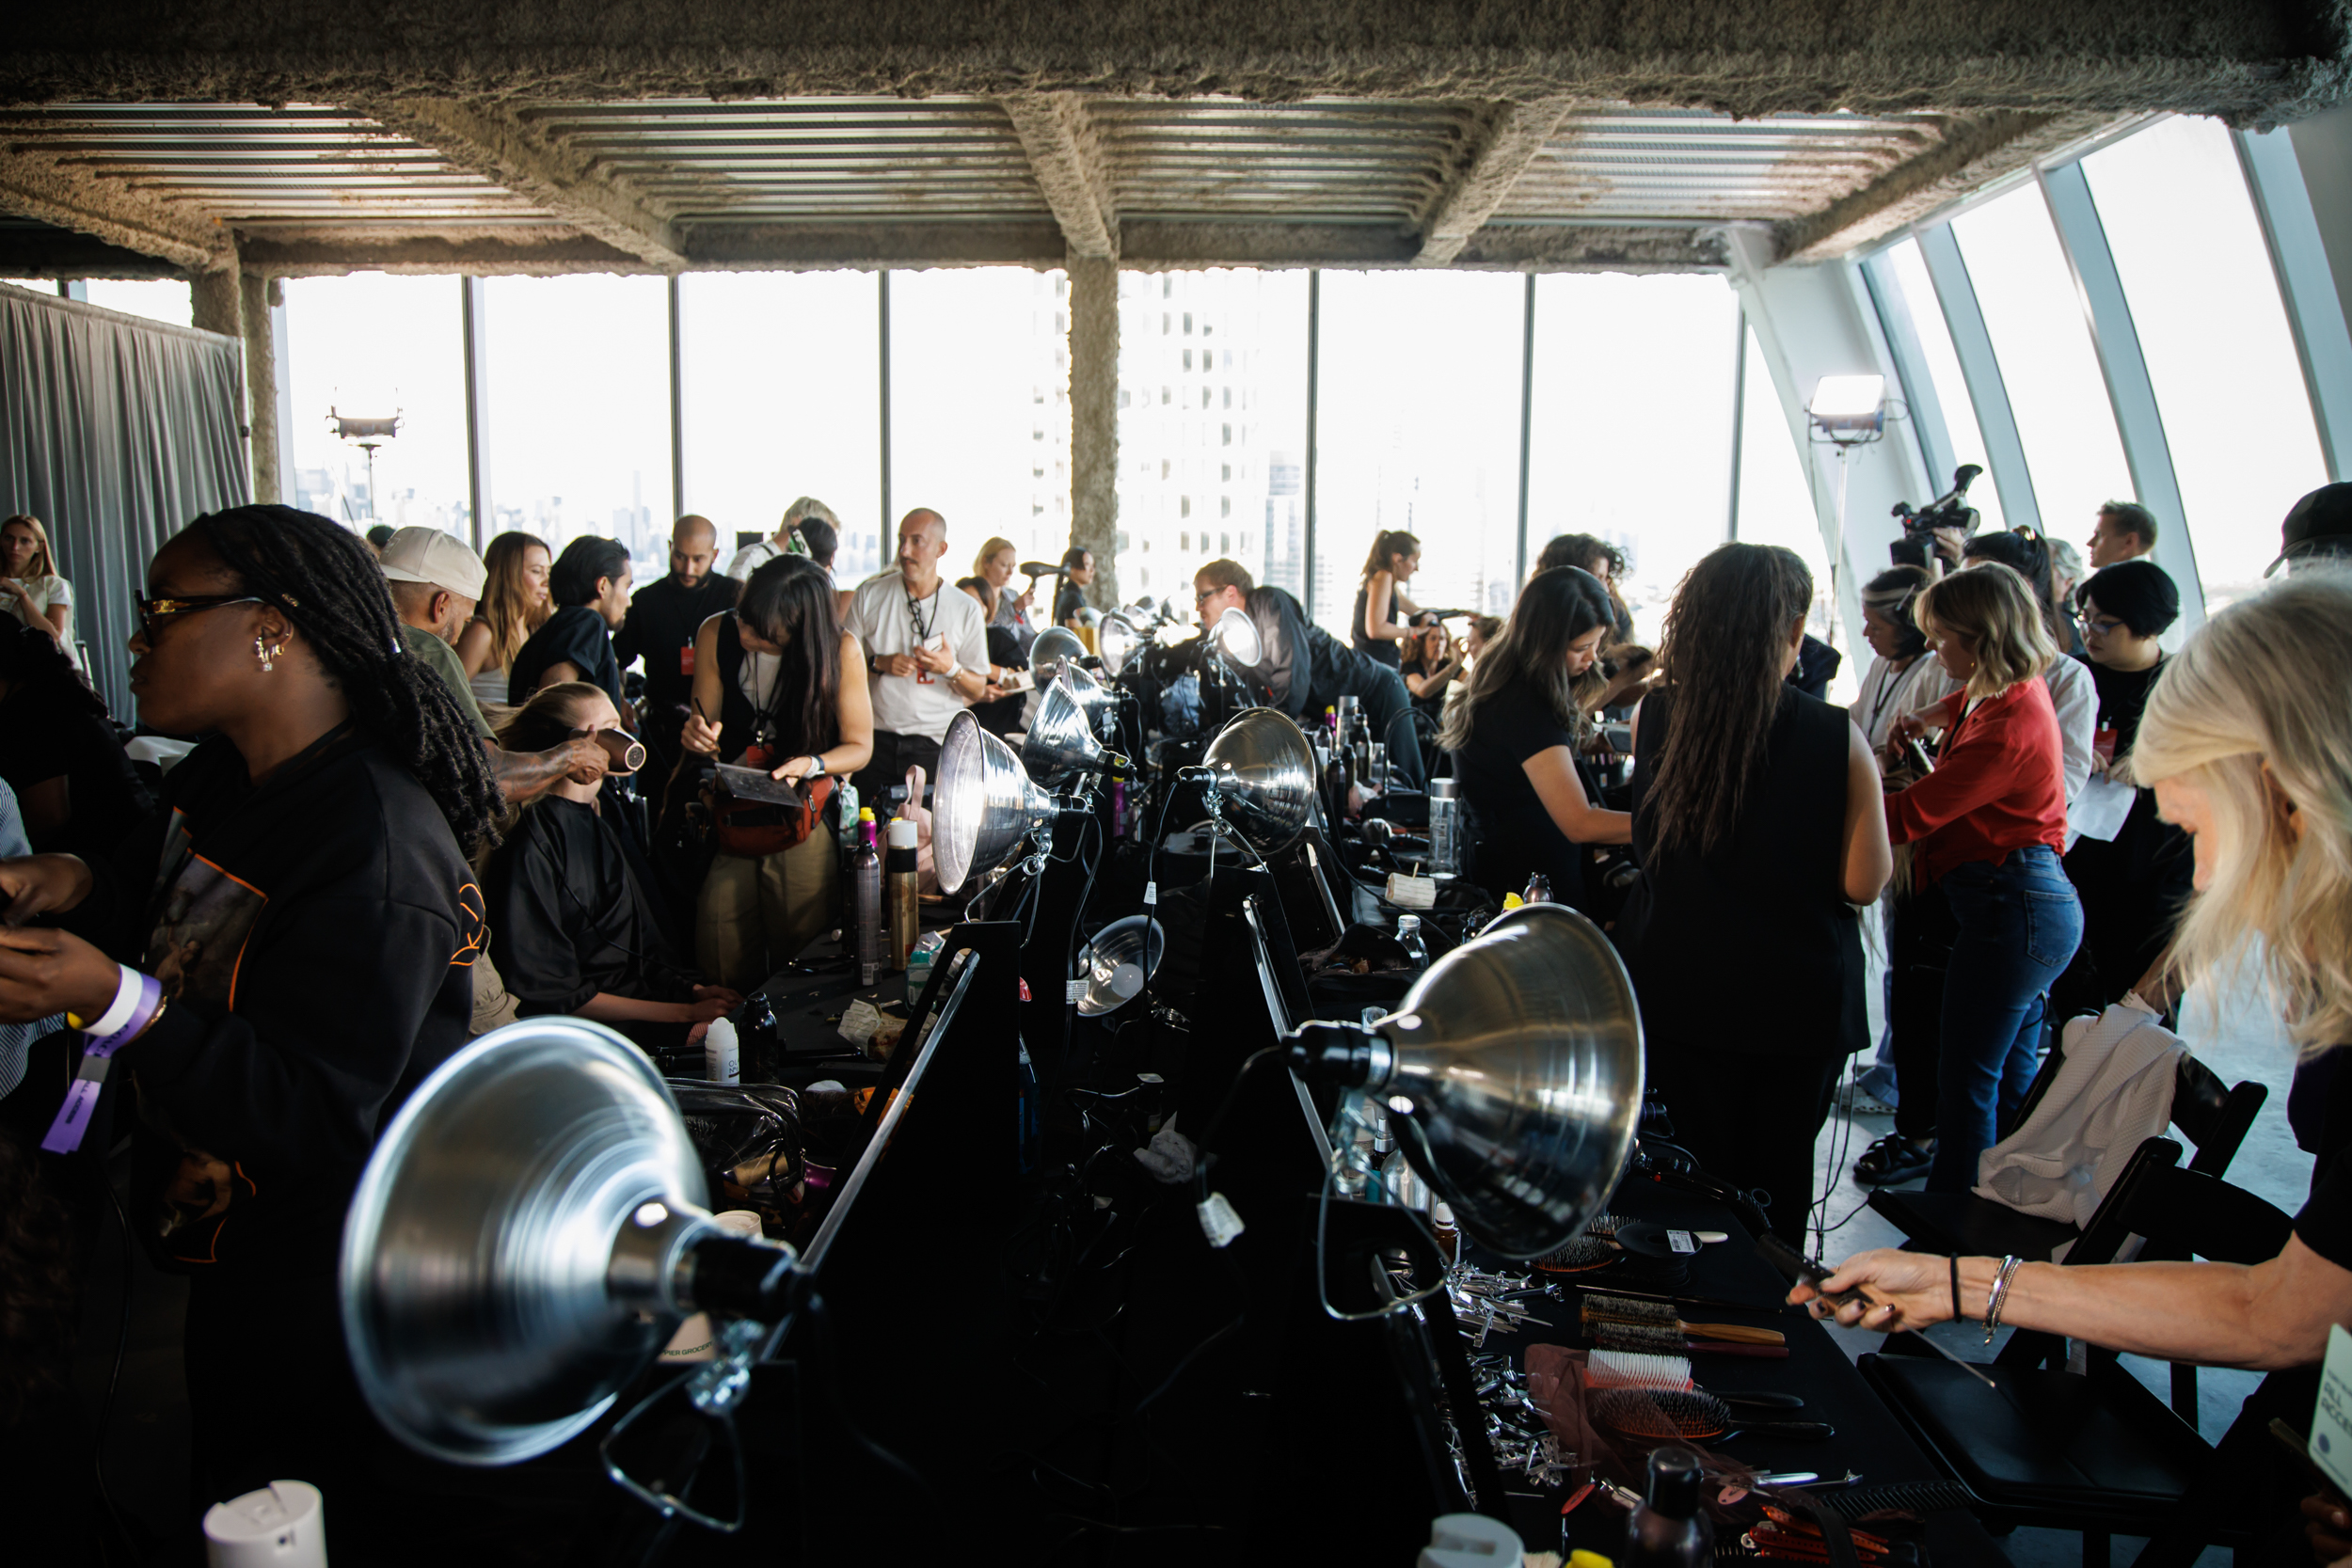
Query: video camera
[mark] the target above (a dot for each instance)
(1948, 510)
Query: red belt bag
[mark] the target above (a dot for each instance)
(756, 827)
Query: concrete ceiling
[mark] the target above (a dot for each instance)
(293, 139)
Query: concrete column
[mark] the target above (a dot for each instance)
(215, 303)
(261, 386)
(1094, 419)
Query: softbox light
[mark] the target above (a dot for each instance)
(1511, 1073)
(528, 1233)
(1263, 773)
(983, 805)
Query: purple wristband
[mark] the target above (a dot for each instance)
(81, 1100)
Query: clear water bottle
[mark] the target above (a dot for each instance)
(866, 883)
(1445, 808)
(1409, 935)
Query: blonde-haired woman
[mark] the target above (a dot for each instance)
(1986, 829)
(28, 577)
(2248, 741)
(515, 603)
(994, 567)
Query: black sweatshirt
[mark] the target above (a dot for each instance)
(660, 627)
(570, 918)
(316, 938)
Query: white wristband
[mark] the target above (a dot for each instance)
(118, 1011)
(953, 671)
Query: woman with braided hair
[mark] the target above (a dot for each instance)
(271, 965)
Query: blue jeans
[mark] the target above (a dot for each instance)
(1388, 712)
(2018, 926)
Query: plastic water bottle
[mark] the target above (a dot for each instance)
(722, 1058)
(1409, 935)
(1444, 819)
(866, 883)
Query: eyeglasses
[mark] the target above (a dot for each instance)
(2105, 626)
(154, 614)
(1207, 594)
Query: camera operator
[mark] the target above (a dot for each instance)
(1304, 669)
(1987, 826)
(1757, 814)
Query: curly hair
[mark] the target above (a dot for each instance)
(1726, 635)
(330, 585)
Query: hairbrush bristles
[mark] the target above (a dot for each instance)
(1604, 1224)
(1580, 1253)
(1608, 1334)
(1596, 1308)
(1615, 1369)
(1662, 1413)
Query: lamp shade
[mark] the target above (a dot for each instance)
(1055, 646)
(1061, 739)
(1123, 956)
(983, 804)
(1263, 772)
(1511, 1073)
(1117, 638)
(1098, 701)
(1236, 637)
(481, 1303)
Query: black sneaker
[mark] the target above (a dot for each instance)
(1893, 1159)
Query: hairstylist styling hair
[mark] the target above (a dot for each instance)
(302, 964)
(1383, 612)
(1515, 733)
(1303, 669)
(771, 676)
(1988, 826)
(2247, 743)
(1757, 814)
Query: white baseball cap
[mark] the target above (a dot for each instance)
(429, 556)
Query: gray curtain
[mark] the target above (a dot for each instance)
(115, 433)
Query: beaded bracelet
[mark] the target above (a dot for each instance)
(1999, 1294)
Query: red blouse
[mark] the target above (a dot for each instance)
(1999, 785)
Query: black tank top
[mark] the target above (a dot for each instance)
(742, 724)
(1381, 648)
(1752, 947)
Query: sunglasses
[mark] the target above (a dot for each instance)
(1211, 593)
(156, 614)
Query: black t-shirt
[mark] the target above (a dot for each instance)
(660, 628)
(1068, 600)
(1512, 836)
(574, 635)
(2325, 1223)
(1382, 649)
(316, 937)
(569, 918)
(45, 733)
(1763, 914)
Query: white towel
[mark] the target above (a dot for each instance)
(2112, 1093)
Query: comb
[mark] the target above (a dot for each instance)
(1922, 1497)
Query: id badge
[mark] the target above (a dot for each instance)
(686, 660)
(2331, 1422)
(2102, 742)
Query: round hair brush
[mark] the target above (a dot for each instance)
(1666, 1415)
(1609, 1334)
(1659, 1314)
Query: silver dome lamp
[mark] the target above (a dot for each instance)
(985, 804)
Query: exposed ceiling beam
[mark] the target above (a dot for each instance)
(43, 250)
(1508, 137)
(1152, 245)
(1593, 248)
(2255, 63)
(34, 185)
(1975, 151)
(1067, 158)
(495, 143)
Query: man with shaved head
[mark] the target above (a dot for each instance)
(925, 654)
(662, 620)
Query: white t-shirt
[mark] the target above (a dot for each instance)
(1888, 693)
(880, 619)
(47, 593)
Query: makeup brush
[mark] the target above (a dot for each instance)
(1607, 1335)
(1593, 1311)
(1663, 1416)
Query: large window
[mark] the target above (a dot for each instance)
(2205, 304)
(160, 300)
(579, 410)
(1901, 275)
(1212, 428)
(1632, 420)
(979, 406)
(1776, 504)
(781, 374)
(371, 345)
(2034, 315)
(1417, 429)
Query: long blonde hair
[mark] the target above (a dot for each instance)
(1994, 608)
(44, 563)
(507, 608)
(2252, 711)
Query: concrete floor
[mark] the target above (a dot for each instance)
(2240, 1040)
